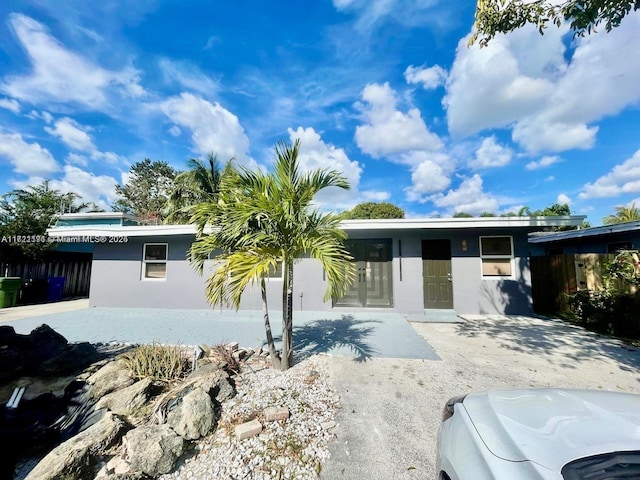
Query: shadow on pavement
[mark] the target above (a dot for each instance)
(332, 336)
(541, 335)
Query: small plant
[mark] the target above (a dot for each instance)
(223, 354)
(164, 363)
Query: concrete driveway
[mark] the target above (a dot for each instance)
(359, 335)
(391, 408)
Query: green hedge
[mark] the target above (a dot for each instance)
(609, 312)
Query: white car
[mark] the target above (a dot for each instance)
(540, 434)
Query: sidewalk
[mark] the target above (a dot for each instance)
(28, 311)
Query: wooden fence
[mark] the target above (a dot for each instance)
(74, 267)
(555, 276)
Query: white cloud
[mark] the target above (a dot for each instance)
(427, 178)
(491, 154)
(188, 76)
(10, 104)
(468, 198)
(27, 158)
(73, 134)
(92, 188)
(388, 131)
(375, 196)
(213, 128)
(76, 137)
(59, 75)
(428, 77)
(523, 81)
(563, 198)
(544, 162)
(623, 178)
(175, 131)
(316, 154)
(75, 159)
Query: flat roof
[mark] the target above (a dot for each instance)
(548, 237)
(348, 225)
(455, 222)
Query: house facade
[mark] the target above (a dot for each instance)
(413, 266)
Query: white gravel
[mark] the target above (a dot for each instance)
(288, 449)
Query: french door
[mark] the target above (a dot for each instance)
(372, 286)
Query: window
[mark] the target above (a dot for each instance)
(496, 254)
(276, 272)
(154, 261)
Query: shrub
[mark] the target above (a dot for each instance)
(159, 362)
(609, 312)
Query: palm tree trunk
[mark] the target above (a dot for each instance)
(273, 355)
(287, 317)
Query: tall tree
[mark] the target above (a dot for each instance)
(261, 220)
(147, 190)
(29, 211)
(623, 214)
(373, 210)
(503, 16)
(198, 184)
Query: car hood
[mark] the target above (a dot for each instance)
(555, 426)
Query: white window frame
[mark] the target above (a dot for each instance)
(145, 262)
(510, 257)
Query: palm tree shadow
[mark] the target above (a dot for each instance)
(322, 336)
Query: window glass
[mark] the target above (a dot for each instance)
(496, 245)
(276, 272)
(155, 252)
(496, 267)
(496, 255)
(154, 261)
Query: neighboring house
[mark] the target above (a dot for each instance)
(604, 239)
(466, 265)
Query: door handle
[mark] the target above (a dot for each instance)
(449, 277)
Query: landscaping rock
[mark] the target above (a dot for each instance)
(153, 449)
(72, 359)
(75, 458)
(213, 380)
(194, 416)
(111, 377)
(127, 400)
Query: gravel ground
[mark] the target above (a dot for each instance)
(291, 449)
(391, 408)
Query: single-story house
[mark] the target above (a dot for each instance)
(467, 265)
(603, 239)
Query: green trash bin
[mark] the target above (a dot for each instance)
(9, 287)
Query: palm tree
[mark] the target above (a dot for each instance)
(260, 220)
(623, 214)
(198, 184)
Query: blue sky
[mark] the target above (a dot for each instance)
(386, 91)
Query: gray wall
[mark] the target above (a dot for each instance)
(117, 271)
(116, 276)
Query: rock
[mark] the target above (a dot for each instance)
(127, 400)
(233, 346)
(153, 449)
(194, 416)
(272, 414)
(73, 358)
(248, 429)
(214, 381)
(46, 343)
(111, 377)
(75, 458)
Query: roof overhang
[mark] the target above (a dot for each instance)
(543, 237)
(459, 223)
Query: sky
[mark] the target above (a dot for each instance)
(388, 92)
